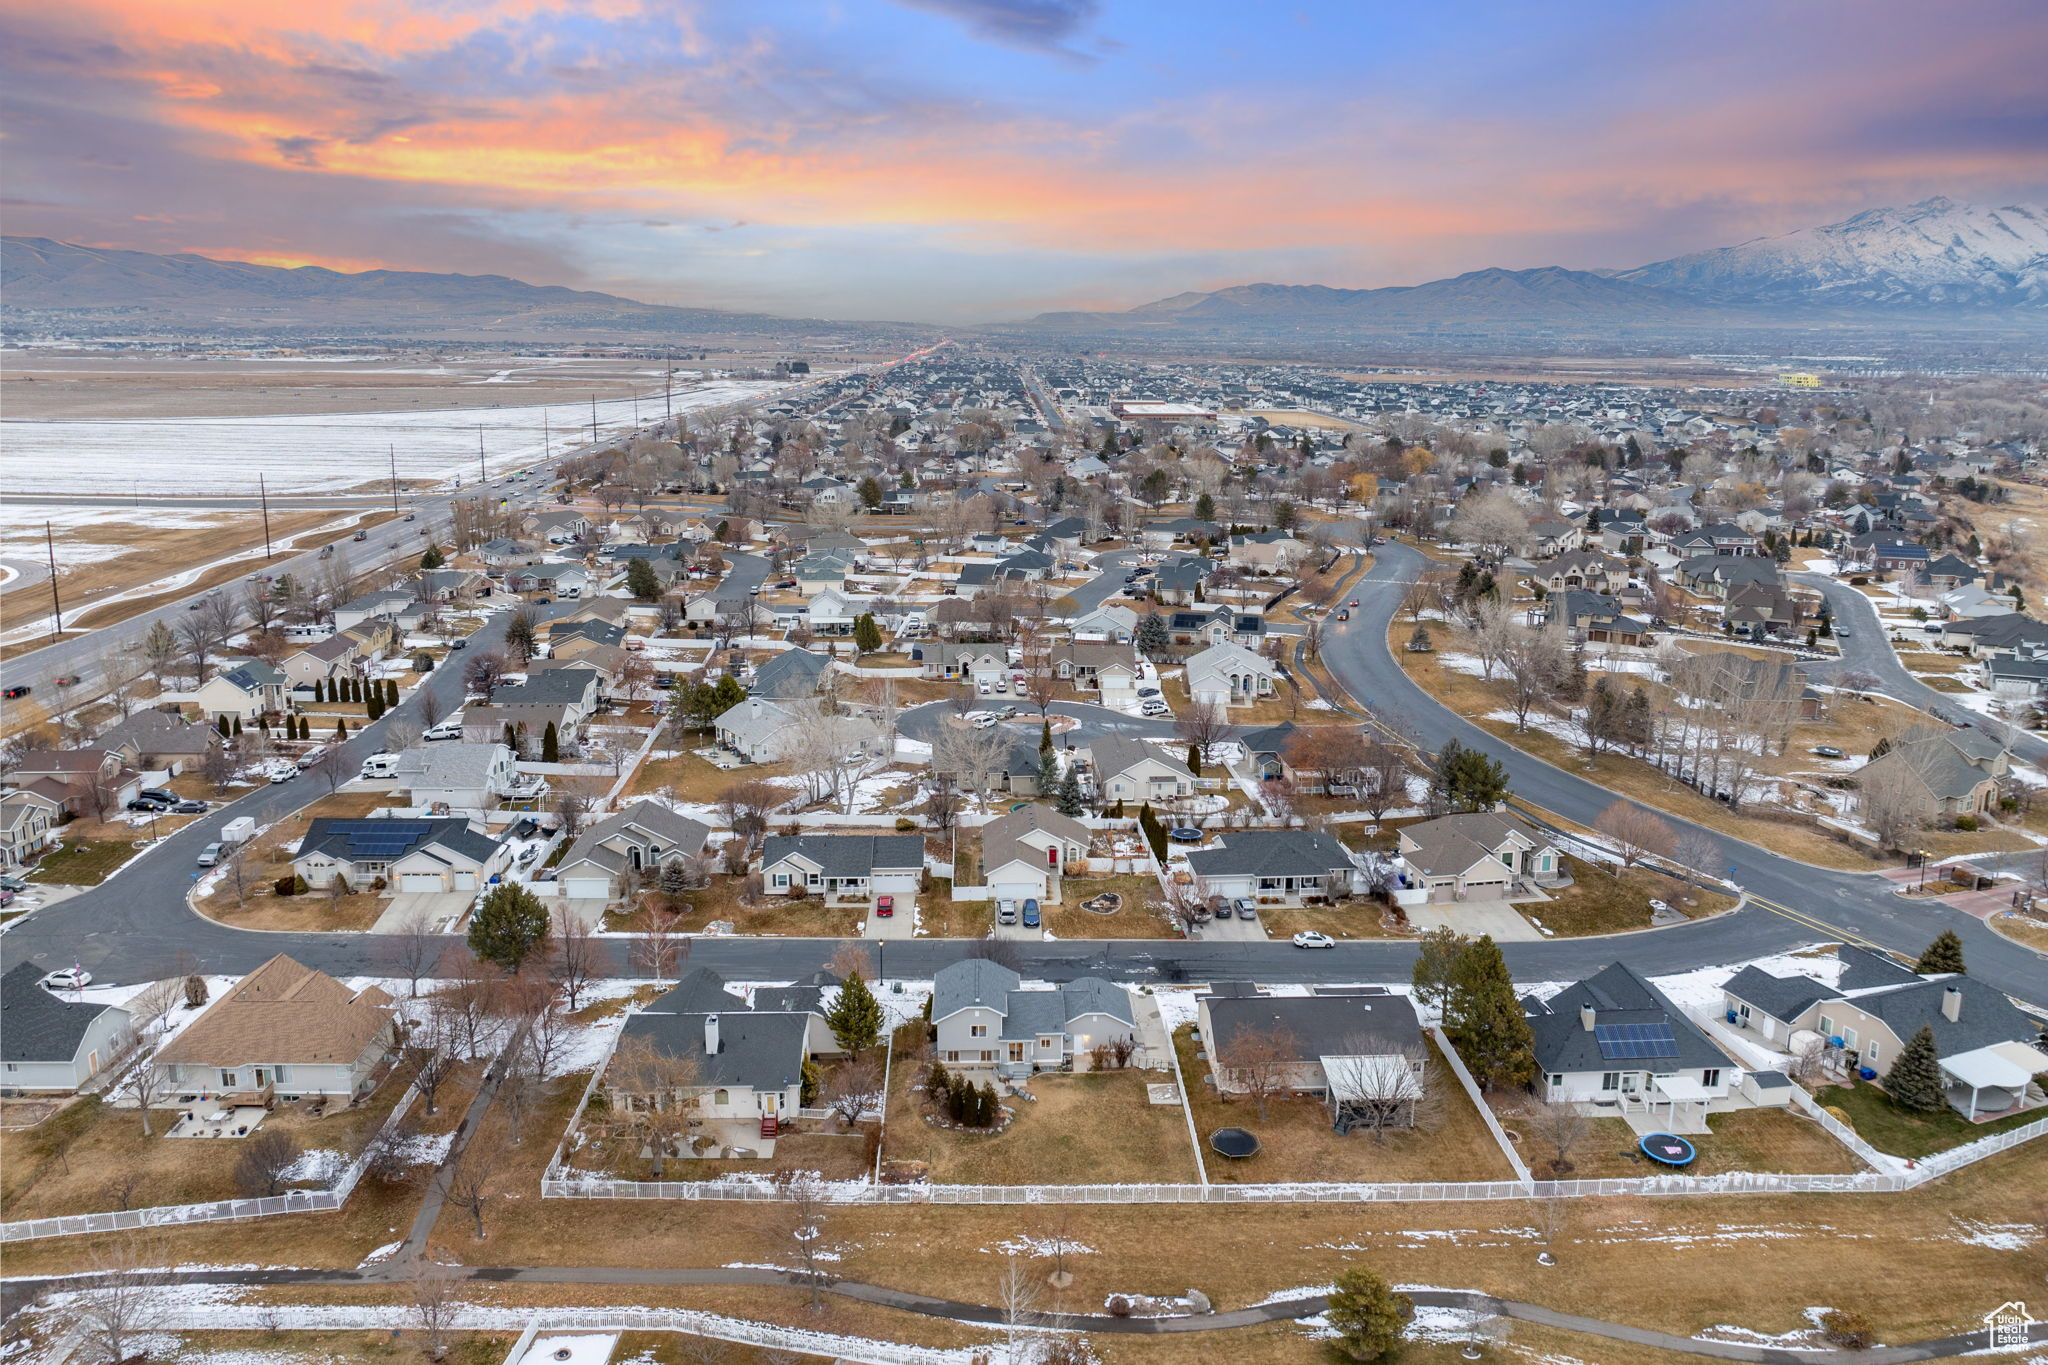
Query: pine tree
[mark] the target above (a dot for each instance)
(867, 636)
(510, 739)
(1154, 832)
(221, 724)
(856, 1016)
(675, 876)
(341, 728)
(432, 559)
(373, 709)
(938, 1081)
(1048, 771)
(1205, 508)
(550, 745)
(319, 689)
(1069, 801)
(1485, 1020)
(508, 926)
(1153, 637)
(1914, 1082)
(641, 580)
(870, 490)
(1945, 954)
(238, 725)
(1195, 759)
(1367, 1315)
(390, 693)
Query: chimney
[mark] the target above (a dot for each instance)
(1586, 1018)
(1952, 1003)
(711, 1035)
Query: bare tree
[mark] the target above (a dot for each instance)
(1259, 1063)
(854, 1088)
(657, 946)
(1698, 850)
(265, 1156)
(471, 1181)
(434, 1305)
(573, 957)
(655, 1094)
(1636, 832)
(1558, 1127)
(410, 950)
(1017, 1296)
(1380, 1091)
(571, 808)
(149, 1080)
(125, 1295)
(804, 1207)
(1202, 724)
(972, 758)
(1892, 800)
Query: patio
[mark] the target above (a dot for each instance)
(210, 1120)
(1994, 1082)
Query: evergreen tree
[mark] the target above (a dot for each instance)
(319, 689)
(1153, 637)
(867, 636)
(1205, 508)
(1154, 832)
(641, 580)
(390, 693)
(1484, 1018)
(340, 728)
(1368, 1316)
(1914, 1082)
(550, 745)
(1285, 516)
(221, 724)
(1419, 641)
(237, 726)
(1466, 779)
(508, 926)
(871, 493)
(1945, 954)
(1195, 759)
(1048, 771)
(373, 709)
(991, 1107)
(675, 877)
(510, 739)
(1044, 737)
(812, 1081)
(1070, 802)
(856, 1016)
(432, 559)
(939, 1080)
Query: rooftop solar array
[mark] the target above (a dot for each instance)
(380, 838)
(1619, 1042)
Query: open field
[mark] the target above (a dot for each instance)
(2016, 531)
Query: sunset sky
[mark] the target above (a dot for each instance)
(977, 159)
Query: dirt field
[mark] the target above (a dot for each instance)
(2018, 525)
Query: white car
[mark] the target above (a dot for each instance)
(1309, 938)
(68, 979)
(982, 720)
(1155, 707)
(282, 771)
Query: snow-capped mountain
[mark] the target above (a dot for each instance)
(1936, 253)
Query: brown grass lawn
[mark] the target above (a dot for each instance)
(1775, 1140)
(2023, 929)
(674, 1348)
(1352, 919)
(689, 778)
(69, 1163)
(81, 863)
(835, 1156)
(1598, 902)
(809, 917)
(1086, 1129)
(1136, 918)
(339, 1348)
(1297, 1143)
(268, 860)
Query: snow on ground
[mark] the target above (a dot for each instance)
(323, 451)
(21, 528)
(1801, 1339)
(584, 1348)
(1998, 1236)
(1036, 1246)
(320, 1166)
(1462, 663)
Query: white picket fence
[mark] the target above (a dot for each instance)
(1883, 1181)
(219, 1211)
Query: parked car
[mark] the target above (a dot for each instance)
(68, 979)
(1842, 632)
(1309, 938)
(283, 771)
(458, 643)
(7, 894)
(1148, 691)
(209, 855)
(885, 906)
(1006, 912)
(13, 884)
(787, 583)
(447, 729)
(1155, 707)
(163, 794)
(985, 688)
(1245, 909)
(1031, 913)
(148, 805)
(1827, 751)
(190, 808)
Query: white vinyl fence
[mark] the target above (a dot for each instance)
(220, 1211)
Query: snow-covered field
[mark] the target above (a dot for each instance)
(325, 451)
(21, 528)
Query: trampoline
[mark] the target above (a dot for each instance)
(1235, 1143)
(1184, 834)
(1667, 1149)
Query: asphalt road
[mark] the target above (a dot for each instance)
(1827, 903)
(1107, 583)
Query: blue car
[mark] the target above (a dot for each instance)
(1030, 914)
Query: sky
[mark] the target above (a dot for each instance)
(971, 160)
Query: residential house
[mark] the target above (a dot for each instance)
(985, 1021)
(833, 613)
(1025, 854)
(1588, 569)
(1945, 573)
(84, 781)
(444, 586)
(549, 580)
(1950, 772)
(28, 825)
(381, 604)
(1265, 757)
(1722, 538)
(1614, 1039)
(504, 553)
(1014, 771)
(1352, 1045)
(1179, 581)
(161, 742)
(443, 854)
(606, 860)
(816, 572)
(1987, 636)
(2016, 679)
(1109, 669)
(1584, 616)
(565, 697)
(567, 639)
(284, 1031)
(1476, 856)
(1109, 622)
(1275, 866)
(758, 730)
(1988, 1051)
(323, 660)
(48, 1043)
(976, 663)
(243, 691)
(1720, 575)
(469, 777)
(1131, 770)
(842, 866)
(1551, 536)
(1267, 551)
(1186, 530)
(1758, 610)
(1227, 674)
(794, 673)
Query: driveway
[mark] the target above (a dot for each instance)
(434, 907)
(1474, 918)
(902, 924)
(1233, 930)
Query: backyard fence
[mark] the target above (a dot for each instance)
(219, 1211)
(748, 1190)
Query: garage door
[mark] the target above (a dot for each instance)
(587, 888)
(1015, 891)
(893, 881)
(1486, 891)
(420, 881)
(465, 881)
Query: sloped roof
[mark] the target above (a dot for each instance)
(1113, 754)
(286, 1012)
(39, 1026)
(1316, 1025)
(1636, 1027)
(1271, 853)
(847, 855)
(1451, 844)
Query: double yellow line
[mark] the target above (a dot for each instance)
(1832, 930)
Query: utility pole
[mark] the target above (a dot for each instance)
(483, 475)
(392, 451)
(263, 493)
(668, 383)
(56, 607)
(593, 419)
(546, 443)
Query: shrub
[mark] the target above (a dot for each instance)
(1966, 823)
(904, 822)
(1847, 1330)
(1118, 1306)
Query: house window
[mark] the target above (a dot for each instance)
(781, 880)
(1016, 1052)
(227, 1080)
(1827, 1027)
(1870, 1052)
(1849, 1039)
(952, 1056)
(977, 1031)
(1711, 1077)
(723, 1097)
(280, 1074)
(1610, 1080)
(987, 1056)
(1556, 1082)
(1543, 863)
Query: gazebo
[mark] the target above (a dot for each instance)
(1993, 1080)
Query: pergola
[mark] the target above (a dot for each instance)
(2004, 1070)
(1673, 1091)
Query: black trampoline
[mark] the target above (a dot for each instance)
(1234, 1143)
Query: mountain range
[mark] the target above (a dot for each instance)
(64, 285)
(1932, 259)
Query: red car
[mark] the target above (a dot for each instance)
(1352, 603)
(885, 906)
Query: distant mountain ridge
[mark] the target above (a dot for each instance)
(46, 279)
(1931, 258)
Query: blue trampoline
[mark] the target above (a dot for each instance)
(1667, 1149)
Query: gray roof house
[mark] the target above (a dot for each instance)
(984, 1019)
(1480, 855)
(1284, 866)
(435, 855)
(161, 742)
(842, 866)
(757, 729)
(48, 1042)
(646, 834)
(462, 776)
(1339, 1041)
(1616, 1039)
(1132, 770)
(1955, 772)
(792, 673)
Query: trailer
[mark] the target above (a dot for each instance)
(238, 830)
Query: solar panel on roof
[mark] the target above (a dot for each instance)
(1620, 1042)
